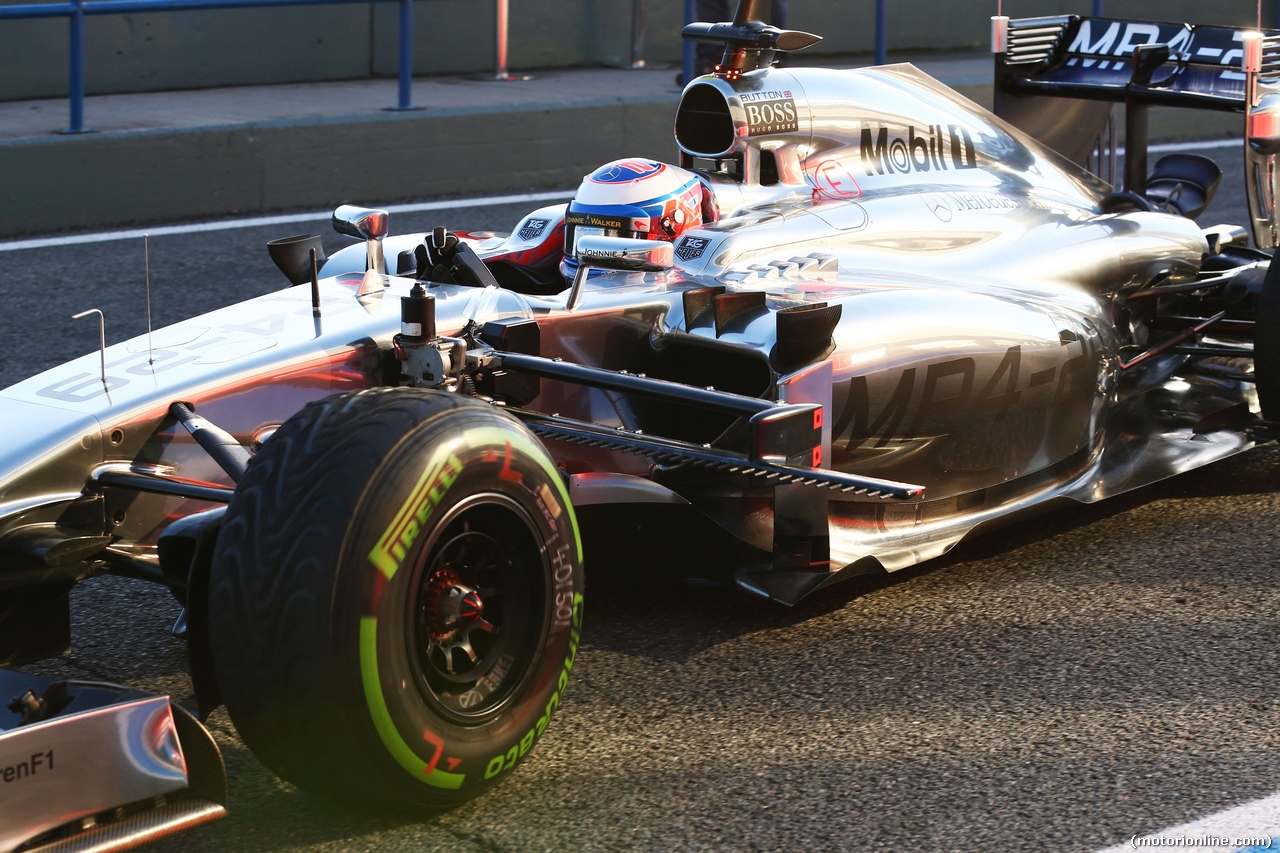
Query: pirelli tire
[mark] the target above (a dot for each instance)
(396, 598)
(1266, 345)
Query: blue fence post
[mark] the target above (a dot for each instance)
(406, 54)
(690, 16)
(882, 32)
(77, 69)
(405, 100)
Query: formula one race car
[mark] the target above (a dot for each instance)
(861, 320)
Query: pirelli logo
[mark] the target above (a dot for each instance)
(395, 543)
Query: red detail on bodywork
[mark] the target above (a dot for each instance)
(817, 457)
(833, 179)
(817, 418)
(552, 244)
(453, 762)
(245, 405)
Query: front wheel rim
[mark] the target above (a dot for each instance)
(478, 601)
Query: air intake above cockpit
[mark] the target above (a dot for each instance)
(704, 125)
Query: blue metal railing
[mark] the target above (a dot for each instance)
(882, 32)
(76, 10)
(687, 69)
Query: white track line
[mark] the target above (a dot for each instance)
(1192, 146)
(1259, 819)
(314, 216)
(320, 215)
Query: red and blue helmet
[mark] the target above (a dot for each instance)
(637, 198)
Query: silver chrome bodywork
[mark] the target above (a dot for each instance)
(78, 765)
(247, 367)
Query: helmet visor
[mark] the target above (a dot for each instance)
(579, 224)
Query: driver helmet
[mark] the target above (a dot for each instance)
(637, 198)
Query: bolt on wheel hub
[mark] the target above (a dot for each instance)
(455, 605)
(452, 611)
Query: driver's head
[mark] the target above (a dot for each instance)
(637, 198)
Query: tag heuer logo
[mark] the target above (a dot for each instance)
(533, 228)
(691, 247)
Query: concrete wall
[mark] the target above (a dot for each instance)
(113, 178)
(185, 50)
(179, 50)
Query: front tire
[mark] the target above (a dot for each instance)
(396, 598)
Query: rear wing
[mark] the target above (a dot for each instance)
(1093, 58)
(1058, 77)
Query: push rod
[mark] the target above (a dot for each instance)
(609, 380)
(230, 455)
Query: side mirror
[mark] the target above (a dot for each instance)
(368, 224)
(618, 253)
(293, 256)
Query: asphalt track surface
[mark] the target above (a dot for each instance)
(1062, 685)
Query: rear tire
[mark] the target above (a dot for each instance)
(396, 598)
(1266, 345)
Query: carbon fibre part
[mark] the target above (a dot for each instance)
(675, 452)
(140, 829)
